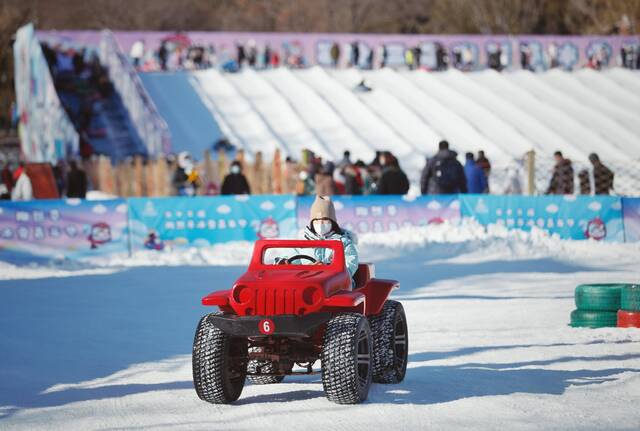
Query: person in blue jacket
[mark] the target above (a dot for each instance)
(323, 225)
(476, 178)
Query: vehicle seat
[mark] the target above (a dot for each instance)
(364, 272)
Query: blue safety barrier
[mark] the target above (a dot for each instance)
(631, 212)
(570, 217)
(77, 229)
(204, 220)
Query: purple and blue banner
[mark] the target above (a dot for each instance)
(202, 221)
(570, 217)
(62, 229)
(377, 213)
(42, 230)
(631, 211)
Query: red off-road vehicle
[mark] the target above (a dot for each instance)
(287, 311)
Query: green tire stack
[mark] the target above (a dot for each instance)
(597, 305)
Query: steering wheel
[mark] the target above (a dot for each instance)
(301, 256)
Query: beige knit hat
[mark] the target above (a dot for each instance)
(323, 208)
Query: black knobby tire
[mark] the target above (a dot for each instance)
(219, 364)
(256, 366)
(346, 359)
(390, 343)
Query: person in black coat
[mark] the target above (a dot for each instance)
(562, 179)
(393, 180)
(444, 174)
(235, 183)
(76, 181)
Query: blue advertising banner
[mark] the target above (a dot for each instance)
(204, 220)
(571, 217)
(631, 213)
(377, 213)
(59, 229)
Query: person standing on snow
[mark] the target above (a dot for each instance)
(76, 181)
(393, 180)
(562, 179)
(476, 179)
(235, 183)
(22, 191)
(602, 175)
(323, 225)
(444, 173)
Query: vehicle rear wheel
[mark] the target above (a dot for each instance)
(219, 364)
(390, 343)
(255, 366)
(346, 359)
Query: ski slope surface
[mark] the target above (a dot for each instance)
(505, 114)
(107, 345)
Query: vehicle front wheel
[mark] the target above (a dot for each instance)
(219, 364)
(346, 359)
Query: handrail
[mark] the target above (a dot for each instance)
(151, 127)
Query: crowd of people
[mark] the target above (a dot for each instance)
(562, 178)
(443, 173)
(81, 83)
(178, 51)
(17, 185)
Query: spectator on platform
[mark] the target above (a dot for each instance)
(562, 179)
(235, 183)
(137, 53)
(476, 179)
(335, 54)
(393, 180)
(163, 55)
(355, 54)
(444, 173)
(368, 185)
(76, 181)
(602, 175)
(325, 184)
(22, 191)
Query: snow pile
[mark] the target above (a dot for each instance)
(468, 238)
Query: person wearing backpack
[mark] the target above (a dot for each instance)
(443, 174)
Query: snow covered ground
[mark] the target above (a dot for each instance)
(107, 345)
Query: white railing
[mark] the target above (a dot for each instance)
(151, 127)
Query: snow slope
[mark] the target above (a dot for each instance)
(595, 130)
(108, 346)
(318, 116)
(237, 113)
(506, 114)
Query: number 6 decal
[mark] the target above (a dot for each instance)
(266, 326)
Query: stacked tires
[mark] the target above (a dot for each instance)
(629, 313)
(596, 305)
(606, 305)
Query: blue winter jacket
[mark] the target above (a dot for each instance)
(348, 241)
(476, 178)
